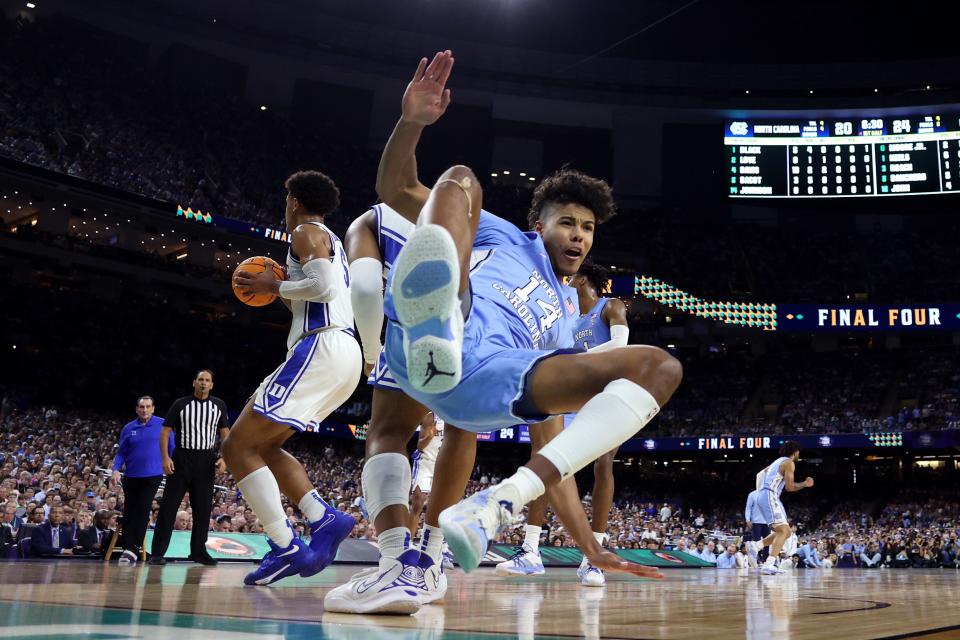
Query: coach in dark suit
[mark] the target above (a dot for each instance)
(53, 538)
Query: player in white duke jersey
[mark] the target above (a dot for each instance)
(602, 325)
(771, 482)
(372, 242)
(424, 461)
(320, 372)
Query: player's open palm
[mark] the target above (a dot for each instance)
(426, 97)
(609, 561)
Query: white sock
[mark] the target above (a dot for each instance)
(519, 489)
(531, 536)
(608, 420)
(393, 542)
(770, 561)
(262, 493)
(601, 538)
(431, 543)
(314, 507)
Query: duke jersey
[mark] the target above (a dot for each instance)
(591, 329)
(392, 232)
(771, 479)
(310, 316)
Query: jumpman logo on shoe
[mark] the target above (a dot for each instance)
(432, 371)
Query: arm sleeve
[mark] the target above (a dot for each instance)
(619, 336)
(121, 456)
(319, 285)
(366, 297)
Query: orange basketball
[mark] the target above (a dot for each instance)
(254, 265)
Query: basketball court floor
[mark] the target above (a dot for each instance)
(71, 599)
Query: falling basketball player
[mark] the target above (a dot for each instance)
(771, 482)
(602, 325)
(405, 578)
(321, 371)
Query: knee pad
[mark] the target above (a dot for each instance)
(386, 481)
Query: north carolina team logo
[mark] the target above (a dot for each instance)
(668, 558)
(739, 128)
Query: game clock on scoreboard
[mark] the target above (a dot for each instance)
(842, 158)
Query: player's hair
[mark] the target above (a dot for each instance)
(789, 448)
(595, 274)
(150, 398)
(316, 191)
(202, 371)
(572, 186)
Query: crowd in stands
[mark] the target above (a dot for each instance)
(55, 460)
(116, 119)
(800, 392)
(108, 118)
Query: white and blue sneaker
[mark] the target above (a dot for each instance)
(589, 575)
(435, 579)
(447, 563)
(472, 523)
(525, 562)
(280, 563)
(396, 585)
(325, 537)
(425, 286)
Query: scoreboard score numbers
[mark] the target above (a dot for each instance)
(838, 158)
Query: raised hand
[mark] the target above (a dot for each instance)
(426, 97)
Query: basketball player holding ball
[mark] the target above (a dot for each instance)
(320, 372)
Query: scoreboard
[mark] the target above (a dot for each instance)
(843, 157)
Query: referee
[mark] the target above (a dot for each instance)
(196, 420)
(139, 452)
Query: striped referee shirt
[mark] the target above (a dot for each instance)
(196, 422)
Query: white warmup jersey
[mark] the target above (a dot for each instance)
(323, 356)
(425, 461)
(769, 487)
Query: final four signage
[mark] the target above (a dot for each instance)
(916, 317)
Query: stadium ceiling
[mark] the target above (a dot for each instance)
(743, 31)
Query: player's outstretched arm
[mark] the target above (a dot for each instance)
(424, 101)
(565, 501)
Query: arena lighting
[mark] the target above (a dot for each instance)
(532, 178)
(523, 174)
(506, 173)
(263, 107)
(747, 92)
(30, 5)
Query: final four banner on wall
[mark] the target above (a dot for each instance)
(749, 443)
(857, 318)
